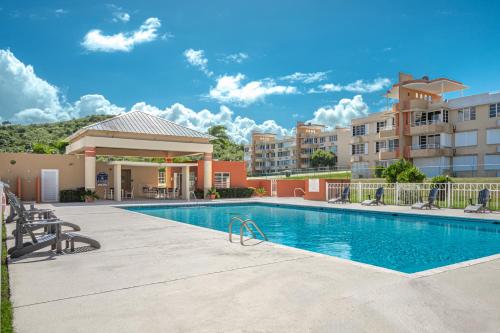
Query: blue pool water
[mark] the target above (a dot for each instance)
(406, 243)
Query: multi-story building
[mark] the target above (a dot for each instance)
(267, 153)
(459, 136)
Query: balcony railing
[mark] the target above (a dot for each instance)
(426, 146)
(427, 122)
(388, 150)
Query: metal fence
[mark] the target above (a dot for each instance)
(450, 195)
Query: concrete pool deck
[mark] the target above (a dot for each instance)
(156, 275)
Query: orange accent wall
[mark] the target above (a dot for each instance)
(321, 195)
(237, 170)
(286, 187)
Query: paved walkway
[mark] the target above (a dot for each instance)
(155, 275)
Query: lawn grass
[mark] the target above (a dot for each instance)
(6, 307)
(428, 180)
(330, 175)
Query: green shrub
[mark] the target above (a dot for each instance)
(72, 195)
(379, 171)
(441, 180)
(235, 192)
(403, 172)
(411, 175)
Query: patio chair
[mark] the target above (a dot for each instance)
(377, 200)
(483, 199)
(32, 212)
(51, 236)
(35, 214)
(129, 194)
(344, 197)
(430, 200)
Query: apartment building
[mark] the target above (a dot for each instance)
(267, 153)
(459, 136)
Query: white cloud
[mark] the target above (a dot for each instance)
(239, 128)
(342, 113)
(25, 98)
(121, 17)
(235, 57)
(358, 86)
(96, 41)
(229, 89)
(197, 59)
(305, 77)
(60, 12)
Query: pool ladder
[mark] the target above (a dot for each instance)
(245, 224)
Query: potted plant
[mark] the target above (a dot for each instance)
(213, 194)
(89, 196)
(260, 191)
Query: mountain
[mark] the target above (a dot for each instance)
(49, 138)
(41, 138)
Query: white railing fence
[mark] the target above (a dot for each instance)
(450, 195)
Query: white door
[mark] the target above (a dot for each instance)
(50, 185)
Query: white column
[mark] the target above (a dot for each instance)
(207, 172)
(90, 168)
(117, 177)
(185, 182)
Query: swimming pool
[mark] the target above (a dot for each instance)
(401, 242)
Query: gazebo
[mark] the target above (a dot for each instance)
(139, 134)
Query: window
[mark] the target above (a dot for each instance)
(222, 180)
(393, 144)
(467, 114)
(358, 149)
(445, 115)
(491, 162)
(161, 176)
(379, 145)
(465, 163)
(464, 139)
(380, 125)
(494, 110)
(358, 130)
(322, 139)
(333, 138)
(493, 136)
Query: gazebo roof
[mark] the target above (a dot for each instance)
(140, 122)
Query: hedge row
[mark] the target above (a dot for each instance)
(72, 195)
(234, 192)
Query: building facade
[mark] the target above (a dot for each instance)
(268, 154)
(459, 136)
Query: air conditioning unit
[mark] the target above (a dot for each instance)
(498, 149)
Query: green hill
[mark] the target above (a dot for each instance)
(42, 138)
(49, 138)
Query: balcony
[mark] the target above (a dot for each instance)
(388, 153)
(357, 139)
(387, 132)
(429, 127)
(357, 158)
(430, 150)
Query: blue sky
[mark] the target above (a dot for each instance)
(240, 64)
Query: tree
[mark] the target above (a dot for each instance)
(403, 172)
(224, 148)
(322, 158)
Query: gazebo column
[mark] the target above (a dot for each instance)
(117, 178)
(185, 182)
(207, 172)
(90, 168)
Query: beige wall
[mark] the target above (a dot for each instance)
(29, 166)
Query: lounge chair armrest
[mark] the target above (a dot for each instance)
(31, 224)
